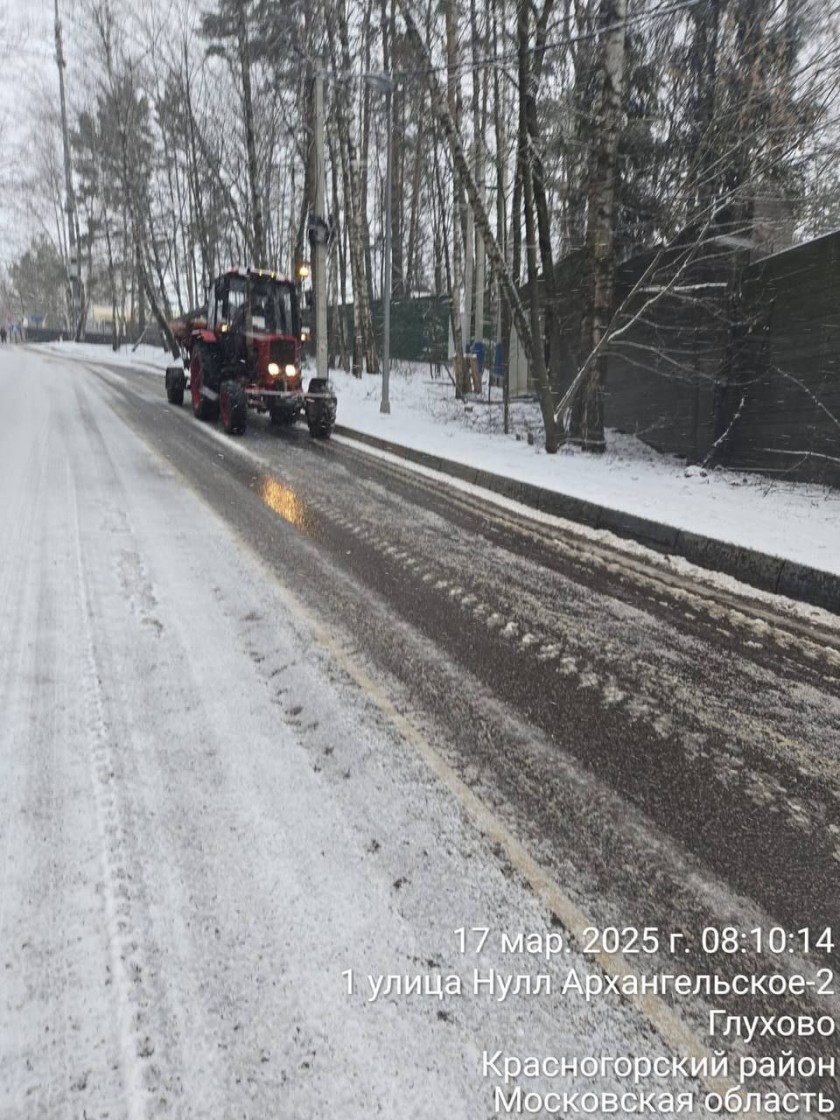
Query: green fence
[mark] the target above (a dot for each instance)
(419, 327)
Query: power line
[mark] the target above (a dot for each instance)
(491, 61)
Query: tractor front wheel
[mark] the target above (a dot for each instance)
(320, 411)
(202, 378)
(234, 408)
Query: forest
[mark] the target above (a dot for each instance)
(533, 141)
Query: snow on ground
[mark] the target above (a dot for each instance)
(203, 825)
(145, 356)
(795, 521)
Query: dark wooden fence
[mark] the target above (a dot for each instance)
(791, 417)
(735, 362)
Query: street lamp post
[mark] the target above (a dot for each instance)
(318, 235)
(384, 83)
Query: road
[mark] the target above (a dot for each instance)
(278, 709)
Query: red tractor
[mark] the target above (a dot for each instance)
(245, 353)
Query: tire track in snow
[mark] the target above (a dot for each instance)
(29, 872)
(16, 577)
(136, 1035)
(52, 945)
(647, 688)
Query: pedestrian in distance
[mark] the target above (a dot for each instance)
(3, 335)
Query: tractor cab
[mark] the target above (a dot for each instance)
(254, 302)
(255, 318)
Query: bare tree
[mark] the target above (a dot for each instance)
(531, 343)
(587, 415)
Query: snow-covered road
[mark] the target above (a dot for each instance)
(278, 719)
(181, 887)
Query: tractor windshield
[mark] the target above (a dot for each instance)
(272, 307)
(263, 305)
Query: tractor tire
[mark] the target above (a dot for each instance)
(320, 414)
(175, 385)
(203, 373)
(233, 404)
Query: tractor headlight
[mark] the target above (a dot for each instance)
(291, 371)
(273, 369)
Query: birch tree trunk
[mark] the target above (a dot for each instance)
(535, 289)
(454, 111)
(481, 183)
(398, 161)
(364, 342)
(468, 224)
(537, 171)
(502, 231)
(412, 281)
(587, 416)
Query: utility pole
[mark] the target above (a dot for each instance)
(72, 241)
(385, 403)
(319, 232)
(384, 83)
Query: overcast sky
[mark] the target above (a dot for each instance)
(28, 75)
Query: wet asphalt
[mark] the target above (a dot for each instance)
(670, 753)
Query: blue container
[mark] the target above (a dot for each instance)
(499, 362)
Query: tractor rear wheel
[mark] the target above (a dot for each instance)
(203, 377)
(175, 381)
(233, 404)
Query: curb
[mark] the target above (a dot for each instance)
(758, 569)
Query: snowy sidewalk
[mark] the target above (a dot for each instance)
(793, 521)
(796, 522)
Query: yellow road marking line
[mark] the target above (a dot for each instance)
(671, 1028)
